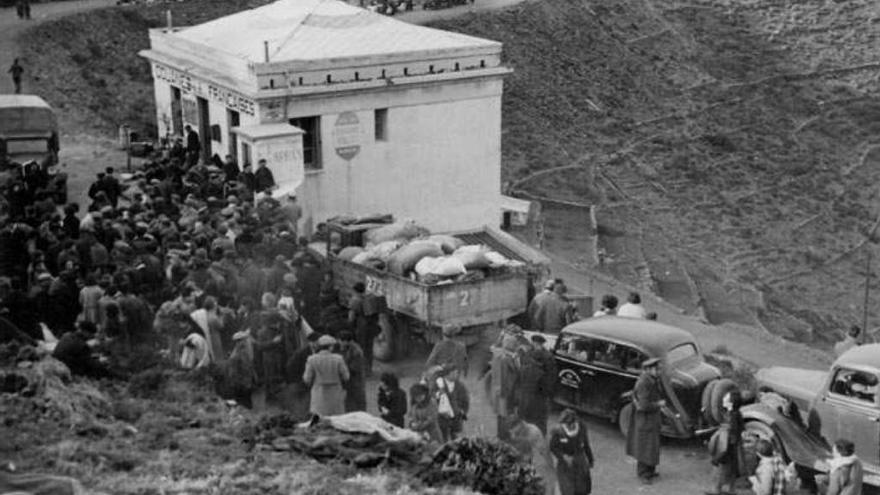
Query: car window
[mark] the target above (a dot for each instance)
(600, 352)
(855, 384)
(576, 347)
(681, 352)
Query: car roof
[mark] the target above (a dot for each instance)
(25, 101)
(867, 355)
(656, 338)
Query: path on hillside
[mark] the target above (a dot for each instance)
(11, 26)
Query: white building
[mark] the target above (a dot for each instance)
(359, 112)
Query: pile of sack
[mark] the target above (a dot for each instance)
(408, 250)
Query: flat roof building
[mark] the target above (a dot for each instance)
(358, 112)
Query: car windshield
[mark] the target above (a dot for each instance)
(24, 146)
(680, 353)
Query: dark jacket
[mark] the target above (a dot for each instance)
(395, 401)
(264, 179)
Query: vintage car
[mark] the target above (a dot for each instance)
(822, 407)
(599, 360)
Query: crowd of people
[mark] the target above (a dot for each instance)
(195, 262)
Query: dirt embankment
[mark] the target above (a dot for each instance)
(730, 144)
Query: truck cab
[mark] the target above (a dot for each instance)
(28, 131)
(29, 146)
(841, 403)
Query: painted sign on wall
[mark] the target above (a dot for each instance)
(347, 135)
(210, 91)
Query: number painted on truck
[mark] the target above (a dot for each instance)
(375, 286)
(464, 298)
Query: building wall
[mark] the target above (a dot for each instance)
(440, 165)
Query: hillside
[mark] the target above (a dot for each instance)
(728, 144)
(731, 145)
(87, 64)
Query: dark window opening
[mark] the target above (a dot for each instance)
(405, 71)
(482, 64)
(311, 140)
(381, 124)
(300, 81)
(328, 78)
(271, 83)
(431, 69)
(456, 66)
(357, 76)
(383, 74)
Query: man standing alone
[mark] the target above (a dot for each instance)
(643, 436)
(16, 70)
(265, 181)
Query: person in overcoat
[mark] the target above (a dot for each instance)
(449, 353)
(356, 386)
(501, 383)
(570, 444)
(326, 374)
(643, 436)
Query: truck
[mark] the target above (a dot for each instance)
(418, 310)
(817, 408)
(29, 144)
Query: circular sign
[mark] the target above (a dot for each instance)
(347, 135)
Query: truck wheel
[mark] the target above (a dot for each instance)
(722, 387)
(706, 402)
(624, 417)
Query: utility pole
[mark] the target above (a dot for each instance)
(867, 290)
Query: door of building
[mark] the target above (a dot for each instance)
(176, 112)
(204, 128)
(232, 120)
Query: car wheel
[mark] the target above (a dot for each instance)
(624, 417)
(716, 407)
(706, 402)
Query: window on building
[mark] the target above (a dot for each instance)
(381, 124)
(311, 127)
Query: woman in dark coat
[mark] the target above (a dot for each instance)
(570, 444)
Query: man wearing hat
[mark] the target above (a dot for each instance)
(448, 353)
(643, 436)
(265, 181)
(325, 374)
(548, 310)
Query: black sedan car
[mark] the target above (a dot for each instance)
(599, 360)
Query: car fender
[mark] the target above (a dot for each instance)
(801, 447)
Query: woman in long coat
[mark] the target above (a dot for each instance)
(325, 373)
(643, 438)
(570, 444)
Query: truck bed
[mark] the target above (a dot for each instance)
(465, 303)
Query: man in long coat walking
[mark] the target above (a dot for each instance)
(325, 374)
(643, 436)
